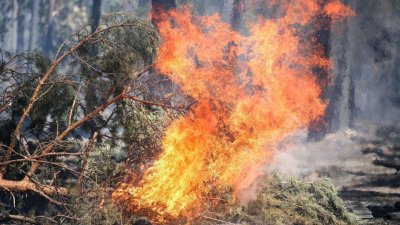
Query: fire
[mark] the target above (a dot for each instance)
(251, 91)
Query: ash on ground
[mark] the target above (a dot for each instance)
(364, 166)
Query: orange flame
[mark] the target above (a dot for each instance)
(252, 91)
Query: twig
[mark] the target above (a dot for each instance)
(86, 156)
(71, 112)
(19, 218)
(220, 221)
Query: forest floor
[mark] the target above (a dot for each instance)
(363, 167)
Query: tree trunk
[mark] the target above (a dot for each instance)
(237, 14)
(318, 129)
(15, 25)
(33, 24)
(48, 41)
(158, 6)
(4, 19)
(21, 25)
(96, 14)
(352, 102)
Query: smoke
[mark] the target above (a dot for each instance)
(337, 156)
(301, 158)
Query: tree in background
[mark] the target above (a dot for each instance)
(237, 14)
(96, 14)
(160, 6)
(41, 24)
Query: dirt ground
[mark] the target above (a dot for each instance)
(370, 190)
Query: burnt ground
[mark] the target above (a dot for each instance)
(372, 191)
(364, 167)
(373, 207)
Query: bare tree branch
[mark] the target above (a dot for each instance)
(19, 218)
(86, 156)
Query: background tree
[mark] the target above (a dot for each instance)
(96, 14)
(159, 6)
(237, 14)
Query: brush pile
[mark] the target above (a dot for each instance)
(288, 201)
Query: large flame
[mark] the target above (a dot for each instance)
(251, 92)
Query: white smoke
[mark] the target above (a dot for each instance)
(337, 156)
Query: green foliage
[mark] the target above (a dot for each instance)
(115, 59)
(102, 68)
(136, 45)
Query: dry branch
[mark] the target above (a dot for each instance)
(19, 218)
(78, 123)
(86, 156)
(26, 185)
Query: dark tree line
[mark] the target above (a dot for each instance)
(44, 24)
